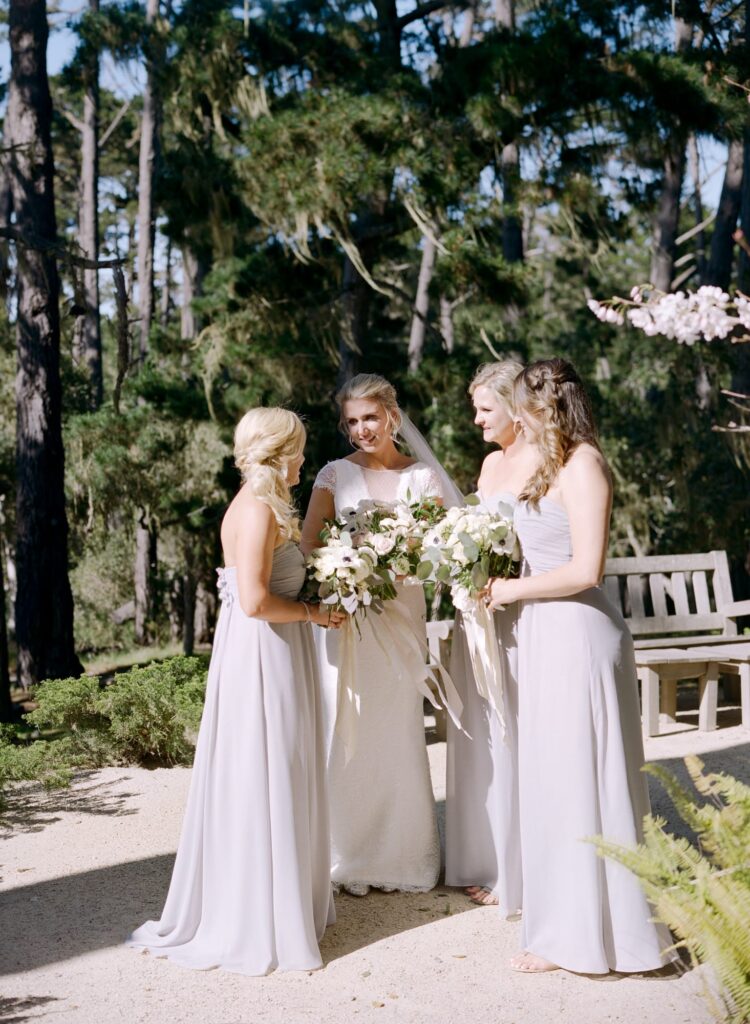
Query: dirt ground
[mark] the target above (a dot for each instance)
(81, 868)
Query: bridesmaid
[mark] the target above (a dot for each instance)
(580, 745)
(482, 848)
(250, 889)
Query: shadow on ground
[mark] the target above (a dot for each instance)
(364, 920)
(12, 1011)
(55, 920)
(29, 807)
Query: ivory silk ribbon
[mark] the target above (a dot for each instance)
(484, 653)
(408, 656)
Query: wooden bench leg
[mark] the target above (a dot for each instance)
(709, 697)
(649, 700)
(668, 699)
(744, 671)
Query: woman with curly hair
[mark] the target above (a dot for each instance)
(580, 743)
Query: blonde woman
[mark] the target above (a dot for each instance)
(482, 848)
(580, 745)
(383, 823)
(250, 890)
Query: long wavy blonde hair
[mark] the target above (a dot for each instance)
(499, 378)
(266, 440)
(552, 392)
(376, 388)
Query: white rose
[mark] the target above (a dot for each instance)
(383, 544)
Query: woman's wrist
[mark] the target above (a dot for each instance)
(306, 609)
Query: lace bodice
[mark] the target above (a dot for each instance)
(351, 484)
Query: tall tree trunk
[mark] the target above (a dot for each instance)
(510, 164)
(421, 304)
(446, 323)
(189, 585)
(145, 546)
(166, 295)
(668, 215)
(193, 271)
(6, 208)
(146, 218)
(695, 174)
(6, 704)
(355, 304)
(88, 339)
(44, 602)
(144, 575)
(719, 270)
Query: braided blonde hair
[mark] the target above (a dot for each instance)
(376, 388)
(552, 392)
(499, 378)
(265, 442)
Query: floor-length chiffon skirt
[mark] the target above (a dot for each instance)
(482, 840)
(250, 890)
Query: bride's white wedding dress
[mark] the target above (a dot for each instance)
(383, 822)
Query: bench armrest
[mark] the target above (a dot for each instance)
(735, 609)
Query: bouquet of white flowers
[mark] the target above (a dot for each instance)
(347, 572)
(464, 551)
(467, 548)
(395, 532)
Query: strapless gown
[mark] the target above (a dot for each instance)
(251, 889)
(482, 841)
(580, 760)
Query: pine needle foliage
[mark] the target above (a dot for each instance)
(702, 891)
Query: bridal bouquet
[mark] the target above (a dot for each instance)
(467, 548)
(395, 532)
(464, 551)
(347, 572)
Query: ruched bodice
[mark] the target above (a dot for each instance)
(287, 574)
(544, 533)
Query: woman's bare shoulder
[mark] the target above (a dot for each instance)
(585, 462)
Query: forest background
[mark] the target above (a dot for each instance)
(281, 194)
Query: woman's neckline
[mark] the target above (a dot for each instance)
(370, 469)
(515, 497)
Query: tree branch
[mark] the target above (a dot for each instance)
(58, 249)
(422, 10)
(115, 121)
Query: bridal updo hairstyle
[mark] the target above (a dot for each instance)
(552, 393)
(375, 388)
(498, 377)
(265, 442)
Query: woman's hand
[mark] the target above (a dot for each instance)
(500, 592)
(324, 615)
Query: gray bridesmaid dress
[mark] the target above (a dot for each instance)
(482, 841)
(250, 890)
(580, 760)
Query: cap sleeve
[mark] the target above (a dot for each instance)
(326, 478)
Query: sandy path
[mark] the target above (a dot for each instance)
(81, 868)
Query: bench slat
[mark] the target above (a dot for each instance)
(635, 593)
(648, 625)
(680, 594)
(612, 590)
(661, 563)
(657, 584)
(700, 590)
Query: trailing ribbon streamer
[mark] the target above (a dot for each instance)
(489, 672)
(409, 658)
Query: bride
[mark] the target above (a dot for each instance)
(383, 823)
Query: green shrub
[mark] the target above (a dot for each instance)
(50, 763)
(147, 713)
(703, 893)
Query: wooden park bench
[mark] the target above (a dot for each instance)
(681, 613)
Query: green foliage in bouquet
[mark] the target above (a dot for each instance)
(702, 893)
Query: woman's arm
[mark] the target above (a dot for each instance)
(321, 507)
(256, 538)
(586, 492)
